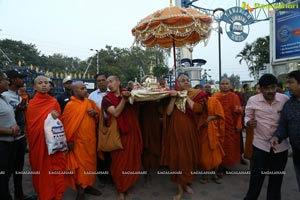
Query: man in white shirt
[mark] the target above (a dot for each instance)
(102, 90)
(97, 96)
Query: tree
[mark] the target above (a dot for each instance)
(160, 71)
(256, 55)
(17, 51)
(128, 63)
(60, 63)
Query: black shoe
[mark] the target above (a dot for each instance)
(19, 195)
(91, 190)
(30, 197)
(243, 161)
(80, 193)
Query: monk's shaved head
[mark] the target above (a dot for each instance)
(225, 80)
(38, 78)
(225, 85)
(113, 77)
(41, 84)
(79, 90)
(113, 84)
(76, 84)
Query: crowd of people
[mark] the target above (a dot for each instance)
(190, 131)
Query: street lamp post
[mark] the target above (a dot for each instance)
(218, 13)
(97, 54)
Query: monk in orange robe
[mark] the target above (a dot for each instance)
(180, 146)
(80, 120)
(233, 123)
(48, 186)
(126, 163)
(210, 138)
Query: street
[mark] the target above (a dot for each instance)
(234, 187)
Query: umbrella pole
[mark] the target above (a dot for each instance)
(174, 56)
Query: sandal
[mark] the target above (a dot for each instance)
(216, 179)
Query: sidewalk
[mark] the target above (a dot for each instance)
(234, 187)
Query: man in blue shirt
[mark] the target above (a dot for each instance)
(289, 124)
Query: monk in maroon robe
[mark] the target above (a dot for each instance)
(126, 163)
(180, 144)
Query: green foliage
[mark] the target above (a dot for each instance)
(256, 55)
(160, 71)
(18, 51)
(127, 63)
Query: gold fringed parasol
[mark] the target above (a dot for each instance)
(173, 27)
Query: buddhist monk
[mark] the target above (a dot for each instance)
(233, 123)
(210, 138)
(126, 162)
(46, 184)
(80, 119)
(180, 147)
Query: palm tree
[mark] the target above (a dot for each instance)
(256, 55)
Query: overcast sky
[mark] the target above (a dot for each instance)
(73, 27)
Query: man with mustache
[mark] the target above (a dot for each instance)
(262, 113)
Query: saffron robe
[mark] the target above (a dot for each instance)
(180, 145)
(211, 137)
(126, 163)
(80, 128)
(233, 120)
(48, 186)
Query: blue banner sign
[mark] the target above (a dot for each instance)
(287, 33)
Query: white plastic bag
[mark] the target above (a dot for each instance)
(54, 135)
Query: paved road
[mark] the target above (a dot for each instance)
(234, 187)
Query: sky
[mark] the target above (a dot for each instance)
(73, 27)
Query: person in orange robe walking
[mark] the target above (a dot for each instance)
(126, 163)
(210, 138)
(233, 123)
(48, 186)
(80, 120)
(180, 145)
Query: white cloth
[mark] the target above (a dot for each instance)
(97, 96)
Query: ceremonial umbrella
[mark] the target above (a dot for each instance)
(173, 27)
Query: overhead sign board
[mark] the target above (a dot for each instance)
(237, 23)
